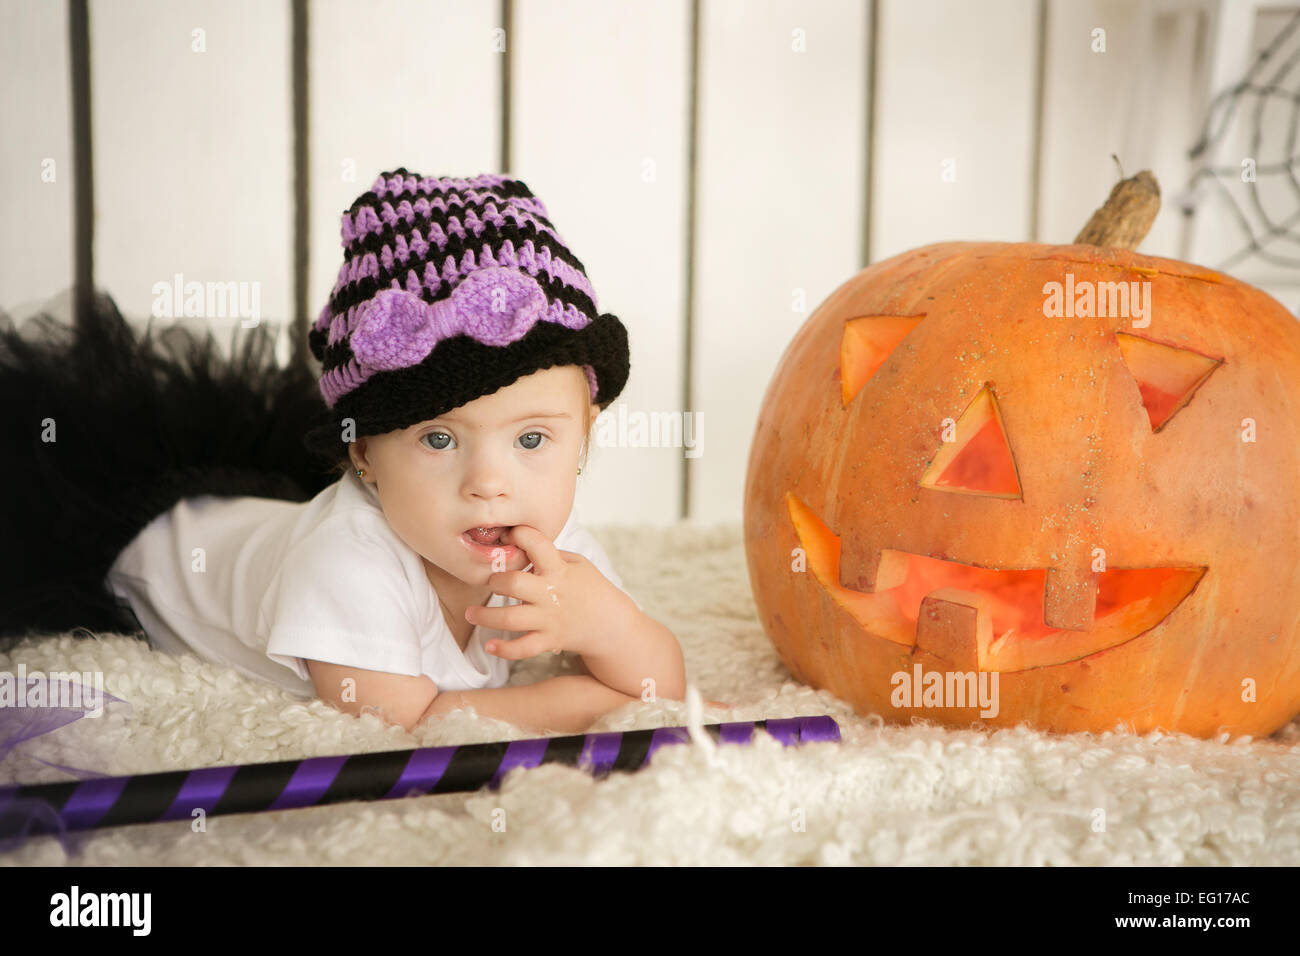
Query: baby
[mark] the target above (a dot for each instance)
(482, 494)
(464, 362)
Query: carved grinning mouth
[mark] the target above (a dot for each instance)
(992, 618)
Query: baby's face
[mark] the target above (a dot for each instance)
(504, 459)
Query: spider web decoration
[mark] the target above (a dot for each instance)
(1267, 99)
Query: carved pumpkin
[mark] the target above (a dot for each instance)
(1101, 511)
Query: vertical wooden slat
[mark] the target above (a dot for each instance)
(954, 141)
(782, 109)
(1135, 99)
(395, 83)
(1163, 121)
(599, 129)
(36, 250)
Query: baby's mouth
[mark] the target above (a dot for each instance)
(498, 534)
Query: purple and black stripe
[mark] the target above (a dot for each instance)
(286, 784)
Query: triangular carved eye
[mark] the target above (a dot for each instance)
(978, 461)
(1166, 376)
(865, 344)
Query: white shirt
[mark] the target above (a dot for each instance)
(260, 585)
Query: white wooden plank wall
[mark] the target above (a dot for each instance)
(192, 155)
(953, 157)
(714, 258)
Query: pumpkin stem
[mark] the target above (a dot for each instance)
(1126, 217)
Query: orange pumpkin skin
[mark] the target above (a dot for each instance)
(840, 450)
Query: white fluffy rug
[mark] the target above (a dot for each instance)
(883, 795)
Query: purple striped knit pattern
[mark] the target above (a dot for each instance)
(420, 218)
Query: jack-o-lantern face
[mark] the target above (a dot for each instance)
(1101, 508)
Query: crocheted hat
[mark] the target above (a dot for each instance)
(452, 289)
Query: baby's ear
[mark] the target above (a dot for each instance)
(357, 453)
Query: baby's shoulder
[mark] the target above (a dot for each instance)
(355, 539)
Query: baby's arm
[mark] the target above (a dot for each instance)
(635, 648)
(396, 698)
(569, 704)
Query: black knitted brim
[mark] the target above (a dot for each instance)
(462, 369)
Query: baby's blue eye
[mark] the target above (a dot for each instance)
(541, 438)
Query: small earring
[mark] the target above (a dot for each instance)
(361, 472)
(579, 469)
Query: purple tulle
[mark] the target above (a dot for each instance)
(20, 724)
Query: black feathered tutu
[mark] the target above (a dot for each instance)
(103, 428)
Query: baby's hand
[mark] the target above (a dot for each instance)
(568, 604)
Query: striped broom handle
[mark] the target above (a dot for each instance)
(27, 810)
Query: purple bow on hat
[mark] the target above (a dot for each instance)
(495, 305)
